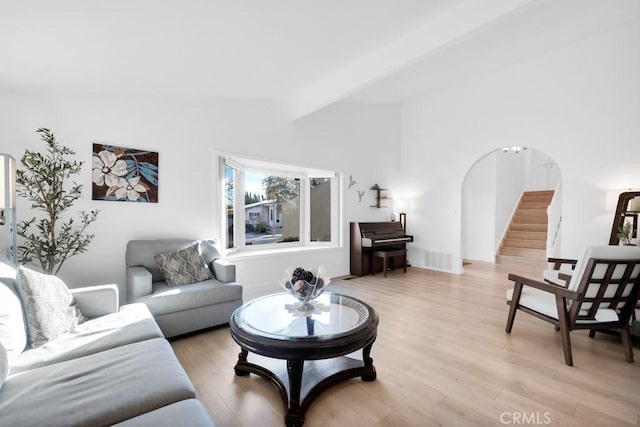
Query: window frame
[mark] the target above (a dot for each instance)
(242, 165)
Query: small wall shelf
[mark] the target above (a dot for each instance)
(379, 196)
(623, 210)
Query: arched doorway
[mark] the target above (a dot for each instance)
(491, 191)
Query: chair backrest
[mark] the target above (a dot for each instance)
(606, 277)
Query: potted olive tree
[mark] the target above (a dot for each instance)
(52, 237)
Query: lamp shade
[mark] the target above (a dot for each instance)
(400, 205)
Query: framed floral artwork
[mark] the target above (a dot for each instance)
(124, 174)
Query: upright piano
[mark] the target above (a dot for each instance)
(370, 236)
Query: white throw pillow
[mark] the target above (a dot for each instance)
(12, 329)
(48, 305)
(4, 365)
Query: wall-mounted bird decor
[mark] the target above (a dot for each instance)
(351, 181)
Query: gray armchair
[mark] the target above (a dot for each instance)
(181, 309)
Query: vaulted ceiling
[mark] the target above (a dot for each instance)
(307, 53)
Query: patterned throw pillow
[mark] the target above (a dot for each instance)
(183, 266)
(48, 305)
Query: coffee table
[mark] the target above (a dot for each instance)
(303, 352)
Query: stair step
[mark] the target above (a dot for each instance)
(534, 205)
(537, 195)
(532, 212)
(534, 254)
(527, 219)
(544, 193)
(548, 192)
(526, 244)
(529, 227)
(537, 199)
(526, 235)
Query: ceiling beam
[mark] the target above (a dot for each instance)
(451, 26)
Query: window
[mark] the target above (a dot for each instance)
(320, 209)
(269, 205)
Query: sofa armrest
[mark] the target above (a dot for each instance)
(96, 301)
(138, 283)
(224, 270)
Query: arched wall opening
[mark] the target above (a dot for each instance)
(491, 191)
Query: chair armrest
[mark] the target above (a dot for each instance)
(224, 270)
(556, 277)
(564, 276)
(138, 283)
(558, 262)
(545, 286)
(96, 301)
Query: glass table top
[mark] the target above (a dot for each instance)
(280, 315)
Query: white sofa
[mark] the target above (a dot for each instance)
(115, 368)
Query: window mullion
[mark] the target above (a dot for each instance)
(305, 214)
(240, 210)
(335, 209)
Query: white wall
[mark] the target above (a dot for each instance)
(510, 183)
(578, 103)
(479, 210)
(354, 141)
(543, 172)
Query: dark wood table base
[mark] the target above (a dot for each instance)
(300, 381)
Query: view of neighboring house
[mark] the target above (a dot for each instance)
(263, 212)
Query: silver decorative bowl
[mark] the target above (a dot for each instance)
(305, 285)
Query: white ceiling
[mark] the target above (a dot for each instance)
(530, 31)
(308, 53)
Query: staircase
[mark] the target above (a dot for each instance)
(526, 239)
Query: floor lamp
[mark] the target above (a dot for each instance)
(8, 207)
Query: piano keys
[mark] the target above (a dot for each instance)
(369, 236)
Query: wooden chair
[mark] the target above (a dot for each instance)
(601, 295)
(560, 273)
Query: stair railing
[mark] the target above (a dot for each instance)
(554, 221)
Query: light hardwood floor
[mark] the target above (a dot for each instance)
(442, 358)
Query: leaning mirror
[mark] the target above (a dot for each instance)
(8, 207)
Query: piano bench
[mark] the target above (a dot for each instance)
(385, 255)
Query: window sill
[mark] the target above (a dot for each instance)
(268, 253)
